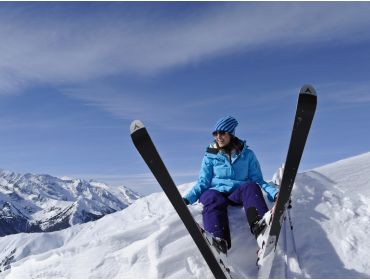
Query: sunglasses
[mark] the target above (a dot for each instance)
(220, 132)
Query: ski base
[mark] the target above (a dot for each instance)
(265, 265)
(266, 253)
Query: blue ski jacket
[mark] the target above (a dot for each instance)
(225, 174)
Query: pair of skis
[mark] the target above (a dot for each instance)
(306, 107)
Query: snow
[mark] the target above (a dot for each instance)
(331, 225)
(337, 229)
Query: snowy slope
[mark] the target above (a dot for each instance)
(34, 203)
(331, 218)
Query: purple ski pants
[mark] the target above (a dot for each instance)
(215, 217)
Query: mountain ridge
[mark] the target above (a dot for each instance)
(35, 203)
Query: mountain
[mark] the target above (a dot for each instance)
(35, 203)
(330, 218)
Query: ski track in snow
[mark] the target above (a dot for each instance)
(330, 218)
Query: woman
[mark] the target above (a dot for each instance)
(230, 175)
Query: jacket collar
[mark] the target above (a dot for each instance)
(212, 149)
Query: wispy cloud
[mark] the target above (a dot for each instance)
(48, 45)
(345, 93)
(129, 104)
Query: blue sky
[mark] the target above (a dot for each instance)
(74, 75)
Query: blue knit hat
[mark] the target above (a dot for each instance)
(227, 124)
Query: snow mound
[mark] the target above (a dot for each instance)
(330, 218)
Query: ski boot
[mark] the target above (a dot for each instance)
(220, 245)
(258, 225)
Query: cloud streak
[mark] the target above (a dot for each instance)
(129, 104)
(51, 45)
(345, 94)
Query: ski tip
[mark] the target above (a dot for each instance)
(307, 89)
(136, 125)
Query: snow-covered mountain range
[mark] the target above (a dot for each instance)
(35, 203)
(330, 237)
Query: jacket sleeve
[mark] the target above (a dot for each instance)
(255, 175)
(204, 181)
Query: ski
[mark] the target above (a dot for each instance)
(305, 112)
(219, 254)
(148, 151)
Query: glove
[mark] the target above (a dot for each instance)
(186, 201)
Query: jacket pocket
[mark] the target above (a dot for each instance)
(222, 171)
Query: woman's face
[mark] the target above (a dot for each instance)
(222, 138)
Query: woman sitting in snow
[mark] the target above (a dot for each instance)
(230, 175)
